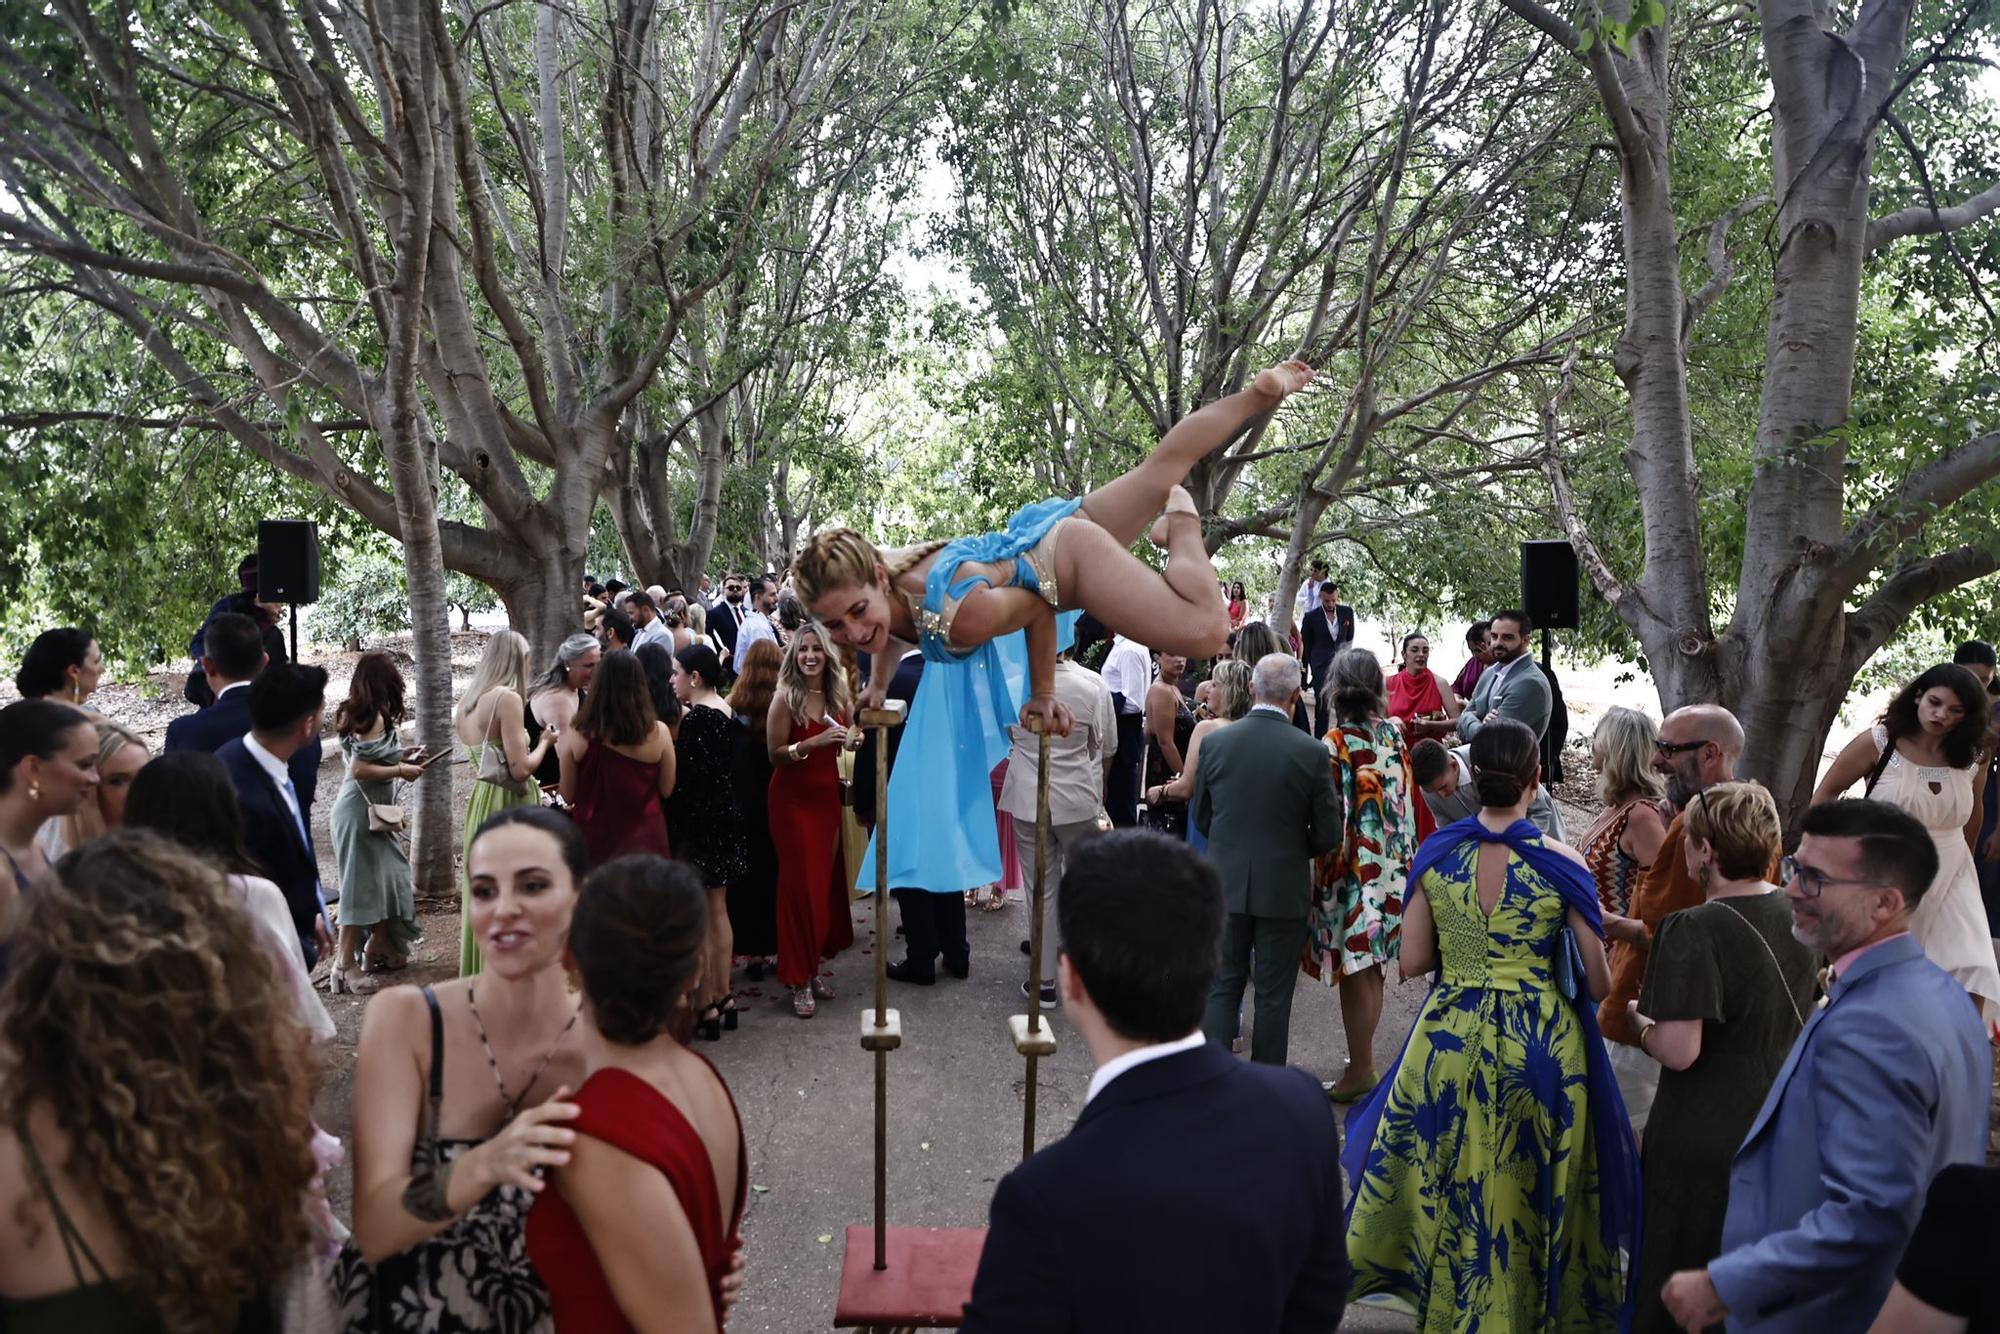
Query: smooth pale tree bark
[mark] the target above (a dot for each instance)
(1819, 590)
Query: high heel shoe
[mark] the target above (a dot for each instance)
(339, 983)
(730, 1012)
(709, 1026)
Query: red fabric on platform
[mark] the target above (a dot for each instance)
(927, 1284)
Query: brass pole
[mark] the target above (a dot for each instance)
(882, 939)
(1035, 934)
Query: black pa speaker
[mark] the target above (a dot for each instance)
(1549, 584)
(287, 560)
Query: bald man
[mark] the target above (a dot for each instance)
(1698, 748)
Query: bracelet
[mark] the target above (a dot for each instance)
(794, 751)
(424, 1198)
(1642, 1036)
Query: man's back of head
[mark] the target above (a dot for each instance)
(1141, 919)
(1275, 679)
(282, 698)
(233, 648)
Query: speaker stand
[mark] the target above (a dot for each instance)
(295, 636)
(1548, 746)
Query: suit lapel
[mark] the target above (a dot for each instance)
(1785, 1073)
(283, 809)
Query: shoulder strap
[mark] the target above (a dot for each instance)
(1783, 985)
(1881, 765)
(437, 1067)
(72, 1239)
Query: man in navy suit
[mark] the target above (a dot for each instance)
(1887, 1084)
(232, 656)
(285, 706)
(1326, 630)
(1196, 1191)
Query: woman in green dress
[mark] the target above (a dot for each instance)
(1727, 990)
(491, 721)
(376, 897)
(1495, 1177)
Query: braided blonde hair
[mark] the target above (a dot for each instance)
(843, 558)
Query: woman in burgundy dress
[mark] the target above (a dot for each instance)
(618, 763)
(806, 727)
(1416, 692)
(644, 1215)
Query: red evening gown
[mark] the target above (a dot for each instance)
(813, 918)
(1406, 702)
(617, 805)
(628, 1113)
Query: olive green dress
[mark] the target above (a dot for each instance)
(487, 798)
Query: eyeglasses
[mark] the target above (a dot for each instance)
(1813, 882)
(1676, 747)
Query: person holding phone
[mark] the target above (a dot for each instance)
(377, 900)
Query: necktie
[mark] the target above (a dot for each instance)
(305, 841)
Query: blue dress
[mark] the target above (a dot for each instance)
(941, 790)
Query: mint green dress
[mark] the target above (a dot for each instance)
(486, 799)
(1478, 1205)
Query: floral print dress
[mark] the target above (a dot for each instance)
(1357, 914)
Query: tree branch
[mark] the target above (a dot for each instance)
(1903, 514)
(1930, 219)
(1910, 586)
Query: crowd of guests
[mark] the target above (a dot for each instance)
(1665, 1078)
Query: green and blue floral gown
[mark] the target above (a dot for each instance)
(1477, 1206)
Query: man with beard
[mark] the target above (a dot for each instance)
(1513, 687)
(726, 615)
(1886, 1085)
(1698, 747)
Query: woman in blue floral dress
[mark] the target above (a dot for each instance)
(1496, 1182)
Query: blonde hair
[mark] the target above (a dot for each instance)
(86, 822)
(1739, 821)
(792, 683)
(1229, 689)
(1622, 747)
(505, 663)
(843, 558)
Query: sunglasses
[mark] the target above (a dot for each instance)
(1677, 747)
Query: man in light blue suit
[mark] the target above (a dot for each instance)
(1513, 687)
(1887, 1084)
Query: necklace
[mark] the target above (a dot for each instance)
(513, 1104)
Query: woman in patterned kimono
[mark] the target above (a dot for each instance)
(1357, 918)
(1495, 1177)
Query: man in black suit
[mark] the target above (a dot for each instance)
(933, 924)
(285, 706)
(1196, 1191)
(1264, 796)
(1326, 630)
(724, 616)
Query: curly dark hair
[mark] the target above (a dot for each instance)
(637, 936)
(145, 1013)
(45, 666)
(1962, 744)
(375, 692)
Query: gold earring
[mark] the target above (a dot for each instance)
(34, 792)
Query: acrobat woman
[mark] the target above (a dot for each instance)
(963, 601)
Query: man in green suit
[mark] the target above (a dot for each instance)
(1264, 796)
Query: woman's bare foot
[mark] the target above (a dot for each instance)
(1178, 502)
(1283, 380)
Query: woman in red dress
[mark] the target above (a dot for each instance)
(805, 728)
(644, 1215)
(1416, 693)
(618, 763)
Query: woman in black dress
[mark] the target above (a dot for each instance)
(704, 824)
(1169, 725)
(1727, 989)
(753, 895)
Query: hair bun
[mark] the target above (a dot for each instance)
(1497, 788)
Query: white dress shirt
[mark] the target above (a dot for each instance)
(754, 626)
(1118, 1065)
(281, 777)
(1128, 670)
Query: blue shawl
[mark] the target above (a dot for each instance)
(1611, 1129)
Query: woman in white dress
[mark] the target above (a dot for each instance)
(1924, 756)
